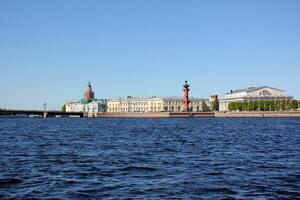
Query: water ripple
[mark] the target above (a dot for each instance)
(149, 159)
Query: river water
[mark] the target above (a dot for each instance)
(73, 158)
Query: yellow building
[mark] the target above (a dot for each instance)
(154, 104)
(135, 104)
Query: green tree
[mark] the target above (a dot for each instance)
(215, 105)
(239, 106)
(289, 105)
(277, 105)
(267, 105)
(63, 108)
(244, 106)
(231, 106)
(255, 105)
(282, 105)
(251, 106)
(261, 105)
(234, 106)
(272, 105)
(294, 104)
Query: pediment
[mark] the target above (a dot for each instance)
(265, 92)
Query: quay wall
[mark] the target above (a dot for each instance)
(247, 114)
(259, 114)
(192, 114)
(156, 115)
(133, 115)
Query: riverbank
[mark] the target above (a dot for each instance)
(157, 115)
(201, 114)
(250, 114)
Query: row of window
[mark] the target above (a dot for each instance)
(153, 109)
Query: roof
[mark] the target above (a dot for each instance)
(84, 101)
(155, 98)
(251, 89)
(181, 99)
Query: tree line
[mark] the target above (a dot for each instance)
(215, 105)
(263, 105)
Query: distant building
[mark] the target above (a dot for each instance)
(74, 106)
(176, 104)
(88, 104)
(154, 104)
(213, 102)
(91, 108)
(252, 94)
(88, 93)
(134, 104)
(213, 98)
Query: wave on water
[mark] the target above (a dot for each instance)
(72, 158)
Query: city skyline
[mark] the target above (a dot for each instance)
(50, 50)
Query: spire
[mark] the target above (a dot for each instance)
(88, 93)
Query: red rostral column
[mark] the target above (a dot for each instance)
(186, 96)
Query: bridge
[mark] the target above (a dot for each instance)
(41, 113)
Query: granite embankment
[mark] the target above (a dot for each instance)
(201, 114)
(156, 115)
(259, 114)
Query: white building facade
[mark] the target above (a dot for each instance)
(154, 104)
(91, 108)
(253, 94)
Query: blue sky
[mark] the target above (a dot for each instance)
(49, 50)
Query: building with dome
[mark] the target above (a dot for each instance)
(88, 104)
(88, 93)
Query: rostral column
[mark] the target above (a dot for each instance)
(186, 97)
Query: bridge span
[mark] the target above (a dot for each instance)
(41, 113)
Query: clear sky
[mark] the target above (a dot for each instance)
(49, 50)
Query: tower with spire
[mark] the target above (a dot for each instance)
(88, 93)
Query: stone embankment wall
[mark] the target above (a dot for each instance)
(259, 114)
(200, 114)
(134, 115)
(192, 114)
(156, 115)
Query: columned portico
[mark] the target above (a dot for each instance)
(253, 94)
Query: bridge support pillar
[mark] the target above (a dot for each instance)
(45, 114)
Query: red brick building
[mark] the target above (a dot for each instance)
(88, 93)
